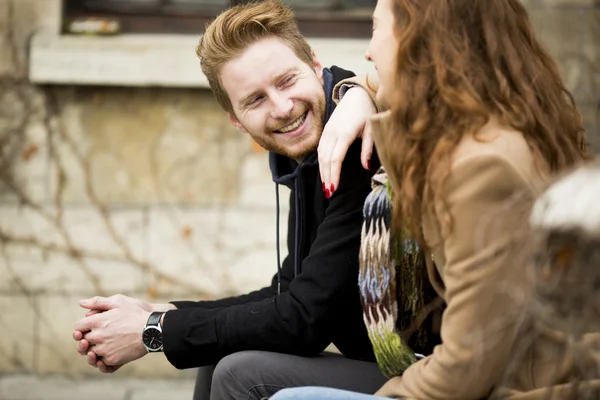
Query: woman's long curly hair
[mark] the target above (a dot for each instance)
(459, 62)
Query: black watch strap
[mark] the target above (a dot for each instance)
(154, 318)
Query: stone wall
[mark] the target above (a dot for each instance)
(149, 192)
(570, 30)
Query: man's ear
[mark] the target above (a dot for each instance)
(317, 65)
(234, 121)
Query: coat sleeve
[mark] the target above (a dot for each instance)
(369, 82)
(483, 281)
(256, 295)
(298, 321)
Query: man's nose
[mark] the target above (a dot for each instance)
(282, 107)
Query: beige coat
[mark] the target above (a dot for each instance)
(482, 279)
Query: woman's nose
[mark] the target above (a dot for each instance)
(368, 55)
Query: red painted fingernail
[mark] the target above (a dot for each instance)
(327, 193)
(368, 164)
(323, 186)
(332, 188)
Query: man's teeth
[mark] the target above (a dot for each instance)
(293, 125)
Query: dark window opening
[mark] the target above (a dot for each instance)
(316, 18)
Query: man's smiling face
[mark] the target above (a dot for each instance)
(277, 98)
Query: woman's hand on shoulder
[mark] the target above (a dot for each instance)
(349, 121)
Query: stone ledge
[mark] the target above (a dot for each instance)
(32, 387)
(150, 60)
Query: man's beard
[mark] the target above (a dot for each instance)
(307, 143)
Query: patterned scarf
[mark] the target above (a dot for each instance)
(392, 278)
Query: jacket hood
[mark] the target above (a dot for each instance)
(285, 170)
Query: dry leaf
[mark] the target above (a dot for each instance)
(30, 151)
(186, 232)
(152, 292)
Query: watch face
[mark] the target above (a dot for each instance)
(152, 338)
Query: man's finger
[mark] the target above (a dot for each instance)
(105, 368)
(77, 335)
(97, 303)
(92, 338)
(92, 358)
(83, 347)
(93, 312)
(86, 324)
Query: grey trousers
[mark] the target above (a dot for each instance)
(254, 375)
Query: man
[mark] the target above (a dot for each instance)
(273, 87)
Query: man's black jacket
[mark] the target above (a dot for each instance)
(319, 301)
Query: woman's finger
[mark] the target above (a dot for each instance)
(337, 159)
(367, 147)
(325, 149)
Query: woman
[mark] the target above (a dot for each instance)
(478, 120)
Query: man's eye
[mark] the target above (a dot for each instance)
(287, 81)
(255, 101)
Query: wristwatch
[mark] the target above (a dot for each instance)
(152, 334)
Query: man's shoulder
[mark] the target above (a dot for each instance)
(352, 167)
(340, 74)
